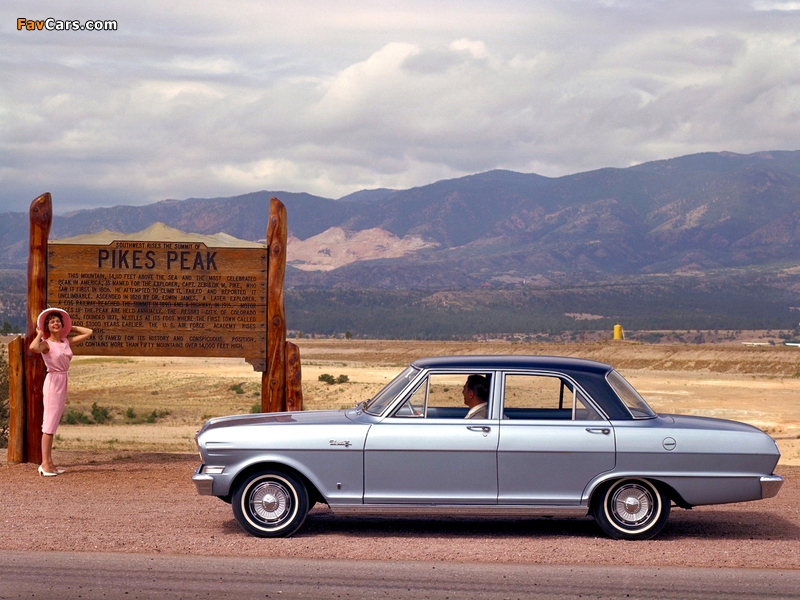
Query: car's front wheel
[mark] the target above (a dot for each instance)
(270, 504)
(631, 509)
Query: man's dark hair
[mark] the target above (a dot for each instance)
(479, 384)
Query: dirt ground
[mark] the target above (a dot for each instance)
(145, 502)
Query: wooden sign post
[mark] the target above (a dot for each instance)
(179, 297)
(41, 214)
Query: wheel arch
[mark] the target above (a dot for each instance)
(595, 490)
(314, 494)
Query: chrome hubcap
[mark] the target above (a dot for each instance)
(632, 504)
(270, 502)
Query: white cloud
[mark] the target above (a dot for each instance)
(209, 99)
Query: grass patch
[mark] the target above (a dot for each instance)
(75, 417)
(100, 414)
(155, 415)
(330, 379)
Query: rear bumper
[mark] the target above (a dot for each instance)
(770, 486)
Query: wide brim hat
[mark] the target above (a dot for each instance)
(42, 318)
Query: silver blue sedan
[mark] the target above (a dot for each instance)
(486, 436)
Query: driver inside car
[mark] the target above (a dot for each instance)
(476, 396)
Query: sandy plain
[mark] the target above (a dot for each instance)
(756, 385)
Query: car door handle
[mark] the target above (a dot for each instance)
(485, 430)
(603, 430)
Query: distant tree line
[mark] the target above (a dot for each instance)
(416, 314)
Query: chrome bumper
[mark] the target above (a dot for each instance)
(770, 486)
(205, 483)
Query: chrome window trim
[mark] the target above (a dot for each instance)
(390, 407)
(411, 389)
(575, 386)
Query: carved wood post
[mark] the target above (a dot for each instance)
(275, 375)
(16, 397)
(294, 379)
(41, 215)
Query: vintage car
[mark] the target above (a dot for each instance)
(559, 437)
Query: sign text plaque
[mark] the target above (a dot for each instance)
(163, 298)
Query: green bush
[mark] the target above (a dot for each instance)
(75, 417)
(237, 387)
(156, 414)
(256, 408)
(330, 379)
(100, 414)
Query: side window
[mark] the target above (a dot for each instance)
(544, 397)
(439, 396)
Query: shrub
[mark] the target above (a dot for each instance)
(75, 417)
(330, 379)
(256, 408)
(156, 414)
(237, 387)
(100, 414)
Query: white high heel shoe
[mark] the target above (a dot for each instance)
(44, 473)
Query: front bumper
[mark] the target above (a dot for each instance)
(204, 483)
(770, 486)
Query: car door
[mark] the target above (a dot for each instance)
(428, 453)
(552, 443)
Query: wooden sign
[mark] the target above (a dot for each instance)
(163, 298)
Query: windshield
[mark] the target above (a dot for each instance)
(378, 404)
(635, 403)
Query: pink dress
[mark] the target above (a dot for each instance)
(55, 384)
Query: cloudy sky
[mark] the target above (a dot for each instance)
(206, 98)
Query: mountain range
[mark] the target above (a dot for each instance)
(690, 214)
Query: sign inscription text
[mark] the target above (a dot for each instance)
(163, 298)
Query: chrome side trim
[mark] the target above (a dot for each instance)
(484, 510)
(770, 486)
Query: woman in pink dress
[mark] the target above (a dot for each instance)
(52, 328)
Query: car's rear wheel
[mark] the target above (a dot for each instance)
(270, 504)
(631, 509)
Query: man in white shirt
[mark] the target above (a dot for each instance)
(476, 396)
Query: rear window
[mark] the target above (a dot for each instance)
(635, 403)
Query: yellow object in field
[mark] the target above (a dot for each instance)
(618, 333)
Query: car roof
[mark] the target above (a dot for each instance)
(477, 362)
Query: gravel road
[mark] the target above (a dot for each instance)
(145, 503)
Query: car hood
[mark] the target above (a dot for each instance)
(313, 417)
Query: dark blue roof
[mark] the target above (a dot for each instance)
(513, 362)
(591, 375)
